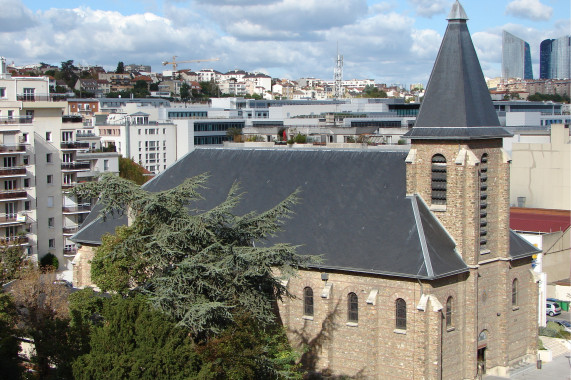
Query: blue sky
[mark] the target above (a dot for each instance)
(391, 41)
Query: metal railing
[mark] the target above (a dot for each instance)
(12, 148)
(74, 145)
(86, 207)
(78, 165)
(16, 119)
(69, 251)
(41, 97)
(68, 230)
(16, 193)
(13, 240)
(14, 170)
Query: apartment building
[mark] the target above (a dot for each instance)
(43, 153)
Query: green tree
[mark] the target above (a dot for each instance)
(120, 68)
(185, 91)
(200, 268)
(10, 362)
(209, 90)
(68, 72)
(371, 91)
(11, 261)
(234, 133)
(130, 170)
(129, 339)
(141, 89)
(154, 87)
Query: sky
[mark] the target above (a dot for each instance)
(390, 41)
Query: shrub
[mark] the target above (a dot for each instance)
(49, 260)
(300, 139)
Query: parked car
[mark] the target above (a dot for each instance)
(552, 308)
(565, 324)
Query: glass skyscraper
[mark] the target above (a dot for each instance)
(555, 58)
(516, 57)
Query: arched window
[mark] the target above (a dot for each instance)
(484, 201)
(400, 306)
(352, 308)
(449, 312)
(308, 301)
(514, 292)
(438, 184)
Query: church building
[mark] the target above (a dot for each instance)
(421, 276)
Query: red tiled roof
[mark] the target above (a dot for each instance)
(539, 220)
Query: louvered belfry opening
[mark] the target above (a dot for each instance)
(484, 201)
(438, 180)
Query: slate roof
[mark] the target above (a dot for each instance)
(520, 248)
(457, 103)
(353, 207)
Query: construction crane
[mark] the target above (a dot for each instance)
(175, 63)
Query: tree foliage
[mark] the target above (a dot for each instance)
(209, 90)
(132, 171)
(10, 362)
(11, 260)
(185, 92)
(130, 340)
(372, 91)
(537, 97)
(200, 268)
(120, 68)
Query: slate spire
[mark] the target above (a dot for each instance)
(457, 103)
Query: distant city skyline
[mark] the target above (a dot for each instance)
(388, 41)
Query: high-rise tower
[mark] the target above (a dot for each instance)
(516, 57)
(555, 58)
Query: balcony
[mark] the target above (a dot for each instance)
(16, 120)
(70, 230)
(41, 97)
(75, 166)
(13, 194)
(16, 148)
(78, 209)
(69, 251)
(13, 171)
(74, 145)
(6, 219)
(14, 240)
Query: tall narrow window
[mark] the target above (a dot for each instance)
(438, 195)
(400, 306)
(308, 301)
(514, 292)
(484, 202)
(352, 308)
(449, 312)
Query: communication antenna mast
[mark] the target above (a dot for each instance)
(338, 74)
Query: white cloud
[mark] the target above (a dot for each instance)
(425, 43)
(429, 8)
(529, 9)
(14, 16)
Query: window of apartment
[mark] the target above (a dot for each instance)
(50, 201)
(51, 222)
(50, 179)
(10, 184)
(26, 182)
(308, 301)
(10, 114)
(139, 131)
(352, 308)
(164, 144)
(9, 161)
(67, 136)
(514, 292)
(24, 137)
(48, 136)
(105, 165)
(67, 157)
(52, 243)
(26, 160)
(29, 114)
(438, 180)
(27, 205)
(10, 208)
(400, 314)
(164, 131)
(48, 157)
(29, 93)
(2, 92)
(449, 312)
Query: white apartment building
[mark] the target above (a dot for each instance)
(43, 153)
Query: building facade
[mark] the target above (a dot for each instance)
(555, 58)
(516, 57)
